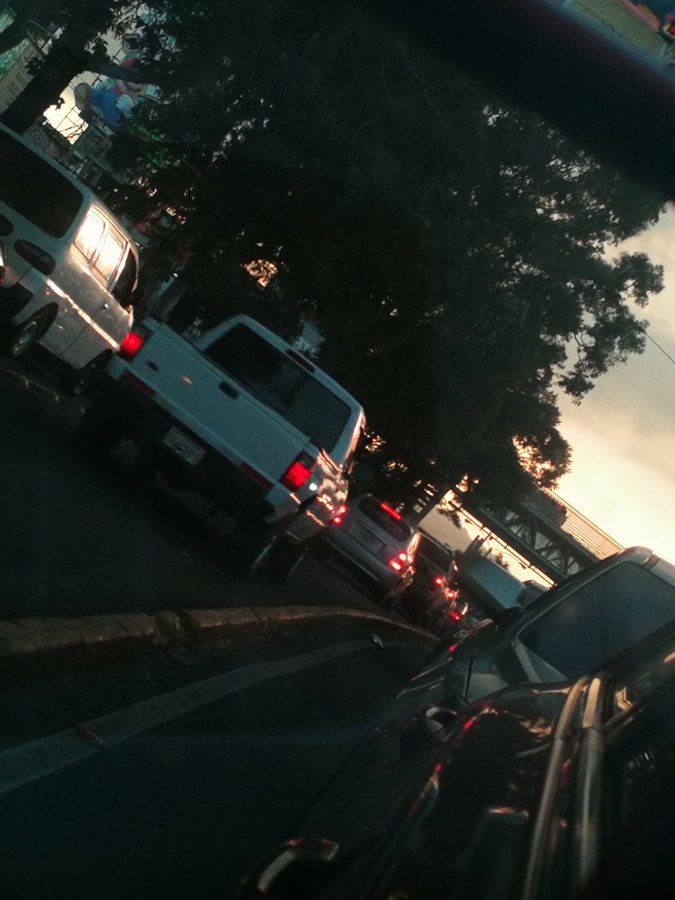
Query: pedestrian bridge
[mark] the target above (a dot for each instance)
(550, 534)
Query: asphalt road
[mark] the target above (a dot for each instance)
(163, 777)
(173, 795)
(80, 539)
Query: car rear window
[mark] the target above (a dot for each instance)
(374, 510)
(602, 619)
(441, 556)
(35, 189)
(281, 384)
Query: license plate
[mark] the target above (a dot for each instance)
(183, 446)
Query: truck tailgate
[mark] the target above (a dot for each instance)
(202, 397)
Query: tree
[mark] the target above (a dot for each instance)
(79, 27)
(452, 246)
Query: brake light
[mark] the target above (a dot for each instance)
(133, 342)
(339, 516)
(439, 580)
(298, 472)
(392, 512)
(455, 615)
(399, 561)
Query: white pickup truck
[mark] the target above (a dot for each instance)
(240, 417)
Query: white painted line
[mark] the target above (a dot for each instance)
(37, 759)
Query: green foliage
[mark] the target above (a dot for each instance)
(452, 247)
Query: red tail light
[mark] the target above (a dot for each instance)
(133, 342)
(392, 512)
(339, 516)
(455, 615)
(439, 580)
(399, 561)
(298, 473)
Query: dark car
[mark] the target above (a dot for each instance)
(432, 588)
(535, 792)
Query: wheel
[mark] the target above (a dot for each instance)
(389, 599)
(79, 380)
(250, 545)
(284, 559)
(19, 338)
(98, 433)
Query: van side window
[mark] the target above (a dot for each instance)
(109, 256)
(125, 283)
(89, 236)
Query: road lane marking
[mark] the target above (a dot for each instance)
(45, 756)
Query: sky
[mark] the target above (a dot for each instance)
(623, 432)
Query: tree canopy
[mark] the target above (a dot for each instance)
(451, 247)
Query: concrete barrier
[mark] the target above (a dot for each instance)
(27, 644)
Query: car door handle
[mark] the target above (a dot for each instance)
(428, 725)
(227, 388)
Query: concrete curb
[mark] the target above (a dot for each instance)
(102, 638)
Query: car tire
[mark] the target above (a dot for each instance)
(389, 599)
(78, 381)
(284, 559)
(18, 339)
(250, 547)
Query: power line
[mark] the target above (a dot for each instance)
(658, 346)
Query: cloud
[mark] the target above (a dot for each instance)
(623, 433)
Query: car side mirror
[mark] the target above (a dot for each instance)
(427, 725)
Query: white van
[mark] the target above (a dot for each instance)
(67, 266)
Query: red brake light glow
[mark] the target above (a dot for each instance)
(298, 472)
(131, 344)
(400, 560)
(392, 512)
(339, 516)
(439, 580)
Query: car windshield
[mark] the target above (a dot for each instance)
(601, 620)
(386, 519)
(282, 384)
(455, 219)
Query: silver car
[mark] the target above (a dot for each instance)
(375, 546)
